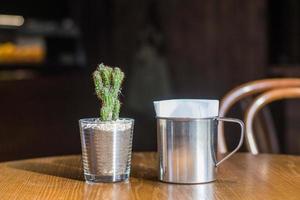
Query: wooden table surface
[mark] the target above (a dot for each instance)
(244, 176)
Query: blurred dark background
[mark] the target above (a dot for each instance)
(168, 49)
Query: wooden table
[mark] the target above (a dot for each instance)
(243, 177)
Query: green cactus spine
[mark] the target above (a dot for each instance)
(108, 82)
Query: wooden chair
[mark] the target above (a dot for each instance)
(258, 104)
(252, 89)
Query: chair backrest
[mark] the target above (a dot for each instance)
(258, 104)
(249, 89)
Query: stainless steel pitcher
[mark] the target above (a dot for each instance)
(187, 148)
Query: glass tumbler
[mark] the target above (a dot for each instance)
(106, 149)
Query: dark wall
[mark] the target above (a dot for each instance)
(203, 42)
(284, 29)
(40, 116)
(45, 9)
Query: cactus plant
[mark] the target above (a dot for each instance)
(108, 83)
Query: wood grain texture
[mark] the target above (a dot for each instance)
(245, 176)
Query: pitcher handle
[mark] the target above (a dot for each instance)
(241, 138)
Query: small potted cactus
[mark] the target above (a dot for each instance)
(107, 140)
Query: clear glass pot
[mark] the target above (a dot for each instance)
(106, 149)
